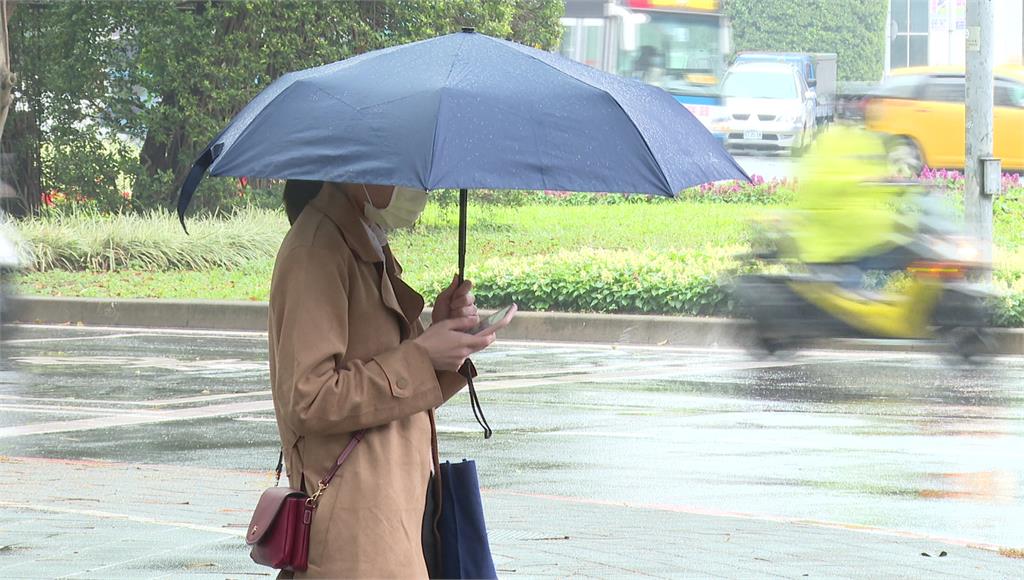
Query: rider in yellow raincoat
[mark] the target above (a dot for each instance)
(846, 210)
(847, 222)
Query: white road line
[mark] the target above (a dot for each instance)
(59, 409)
(202, 398)
(142, 330)
(661, 373)
(223, 366)
(122, 420)
(115, 516)
(153, 403)
(70, 338)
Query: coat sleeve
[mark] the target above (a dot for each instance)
(320, 394)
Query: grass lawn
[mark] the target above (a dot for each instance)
(429, 254)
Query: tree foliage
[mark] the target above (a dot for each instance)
(853, 29)
(116, 97)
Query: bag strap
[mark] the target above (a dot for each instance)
(321, 486)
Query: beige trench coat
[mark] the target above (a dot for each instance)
(340, 361)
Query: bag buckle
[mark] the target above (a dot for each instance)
(312, 500)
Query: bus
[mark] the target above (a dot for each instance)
(678, 45)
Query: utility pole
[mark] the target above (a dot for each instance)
(977, 204)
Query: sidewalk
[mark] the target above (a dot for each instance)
(61, 518)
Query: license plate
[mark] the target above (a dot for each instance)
(752, 135)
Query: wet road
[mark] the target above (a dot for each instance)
(767, 165)
(892, 443)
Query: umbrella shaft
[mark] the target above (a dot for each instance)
(463, 203)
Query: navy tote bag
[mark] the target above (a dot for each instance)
(465, 551)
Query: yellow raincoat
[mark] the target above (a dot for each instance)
(844, 212)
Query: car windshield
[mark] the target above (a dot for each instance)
(759, 85)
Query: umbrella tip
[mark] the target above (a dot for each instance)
(469, 29)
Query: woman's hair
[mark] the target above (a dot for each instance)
(298, 193)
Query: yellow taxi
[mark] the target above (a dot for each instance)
(921, 109)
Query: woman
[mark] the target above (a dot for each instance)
(347, 352)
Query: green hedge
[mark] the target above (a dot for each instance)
(853, 29)
(70, 249)
(607, 281)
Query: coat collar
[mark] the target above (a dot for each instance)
(341, 209)
(398, 296)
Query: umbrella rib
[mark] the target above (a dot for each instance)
(247, 129)
(437, 114)
(302, 75)
(661, 172)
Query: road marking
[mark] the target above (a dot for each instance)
(115, 516)
(69, 338)
(149, 331)
(225, 365)
(696, 510)
(67, 410)
(153, 403)
(601, 376)
(122, 420)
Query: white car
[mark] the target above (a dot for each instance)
(768, 106)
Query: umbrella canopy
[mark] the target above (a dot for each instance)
(467, 111)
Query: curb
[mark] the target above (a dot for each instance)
(627, 329)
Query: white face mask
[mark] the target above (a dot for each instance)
(402, 211)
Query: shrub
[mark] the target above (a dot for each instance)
(76, 239)
(606, 281)
(758, 191)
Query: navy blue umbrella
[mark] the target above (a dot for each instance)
(466, 111)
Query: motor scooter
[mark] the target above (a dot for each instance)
(930, 294)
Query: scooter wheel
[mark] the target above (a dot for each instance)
(971, 343)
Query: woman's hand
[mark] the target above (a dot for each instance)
(448, 343)
(456, 301)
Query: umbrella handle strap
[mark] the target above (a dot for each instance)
(474, 400)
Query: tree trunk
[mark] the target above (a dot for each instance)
(7, 78)
(160, 152)
(172, 152)
(23, 169)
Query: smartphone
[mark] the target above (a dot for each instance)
(495, 319)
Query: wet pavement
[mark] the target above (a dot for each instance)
(769, 165)
(140, 453)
